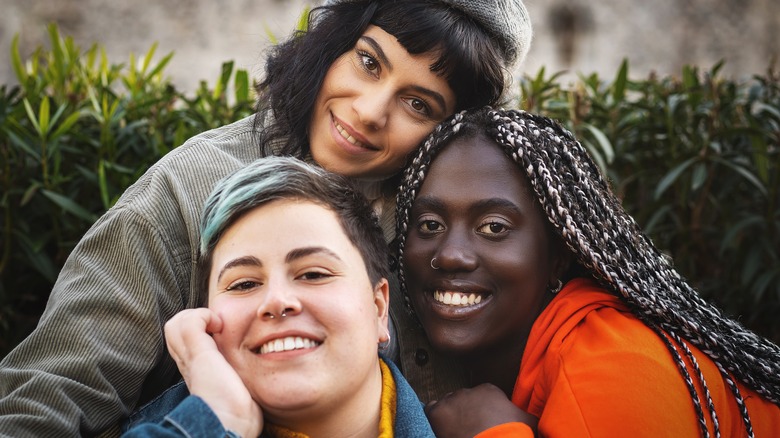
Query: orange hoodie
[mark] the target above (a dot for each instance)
(591, 368)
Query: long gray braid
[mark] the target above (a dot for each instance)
(609, 244)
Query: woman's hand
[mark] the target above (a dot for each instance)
(206, 372)
(467, 412)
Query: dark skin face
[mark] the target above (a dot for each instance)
(496, 257)
(496, 254)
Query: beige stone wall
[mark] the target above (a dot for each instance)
(573, 35)
(657, 35)
(202, 34)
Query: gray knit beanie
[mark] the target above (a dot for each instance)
(506, 21)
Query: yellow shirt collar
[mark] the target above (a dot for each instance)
(386, 412)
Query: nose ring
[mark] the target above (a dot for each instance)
(433, 264)
(284, 314)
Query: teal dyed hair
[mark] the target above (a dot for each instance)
(276, 178)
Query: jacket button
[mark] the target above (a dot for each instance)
(421, 357)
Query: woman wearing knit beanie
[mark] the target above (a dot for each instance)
(354, 93)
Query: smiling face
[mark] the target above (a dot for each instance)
(376, 103)
(293, 258)
(494, 252)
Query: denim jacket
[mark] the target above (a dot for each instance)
(176, 413)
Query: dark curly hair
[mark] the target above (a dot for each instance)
(295, 69)
(609, 247)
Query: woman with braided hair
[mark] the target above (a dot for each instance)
(520, 262)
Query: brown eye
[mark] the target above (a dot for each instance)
(315, 275)
(242, 286)
(369, 63)
(419, 106)
(430, 227)
(493, 228)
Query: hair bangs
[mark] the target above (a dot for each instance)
(466, 56)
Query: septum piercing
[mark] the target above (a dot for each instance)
(433, 260)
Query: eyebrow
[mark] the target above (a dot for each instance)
(378, 49)
(384, 60)
(241, 261)
(431, 203)
(299, 253)
(502, 203)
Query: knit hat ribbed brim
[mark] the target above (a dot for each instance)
(506, 21)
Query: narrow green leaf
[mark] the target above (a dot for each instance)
(103, 184)
(619, 86)
(745, 173)
(90, 58)
(270, 34)
(104, 69)
(603, 141)
(242, 86)
(672, 176)
(761, 157)
(224, 78)
(759, 107)
(131, 79)
(69, 205)
(716, 68)
(699, 175)
(66, 125)
(57, 67)
(303, 20)
(161, 65)
(43, 116)
(32, 117)
(690, 77)
(39, 260)
(18, 141)
(56, 117)
(16, 61)
(656, 218)
(595, 154)
(148, 58)
(29, 193)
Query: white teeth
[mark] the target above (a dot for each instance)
(348, 137)
(287, 344)
(457, 298)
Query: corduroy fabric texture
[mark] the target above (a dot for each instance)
(506, 21)
(99, 350)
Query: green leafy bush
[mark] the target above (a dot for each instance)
(695, 160)
(74, 135)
